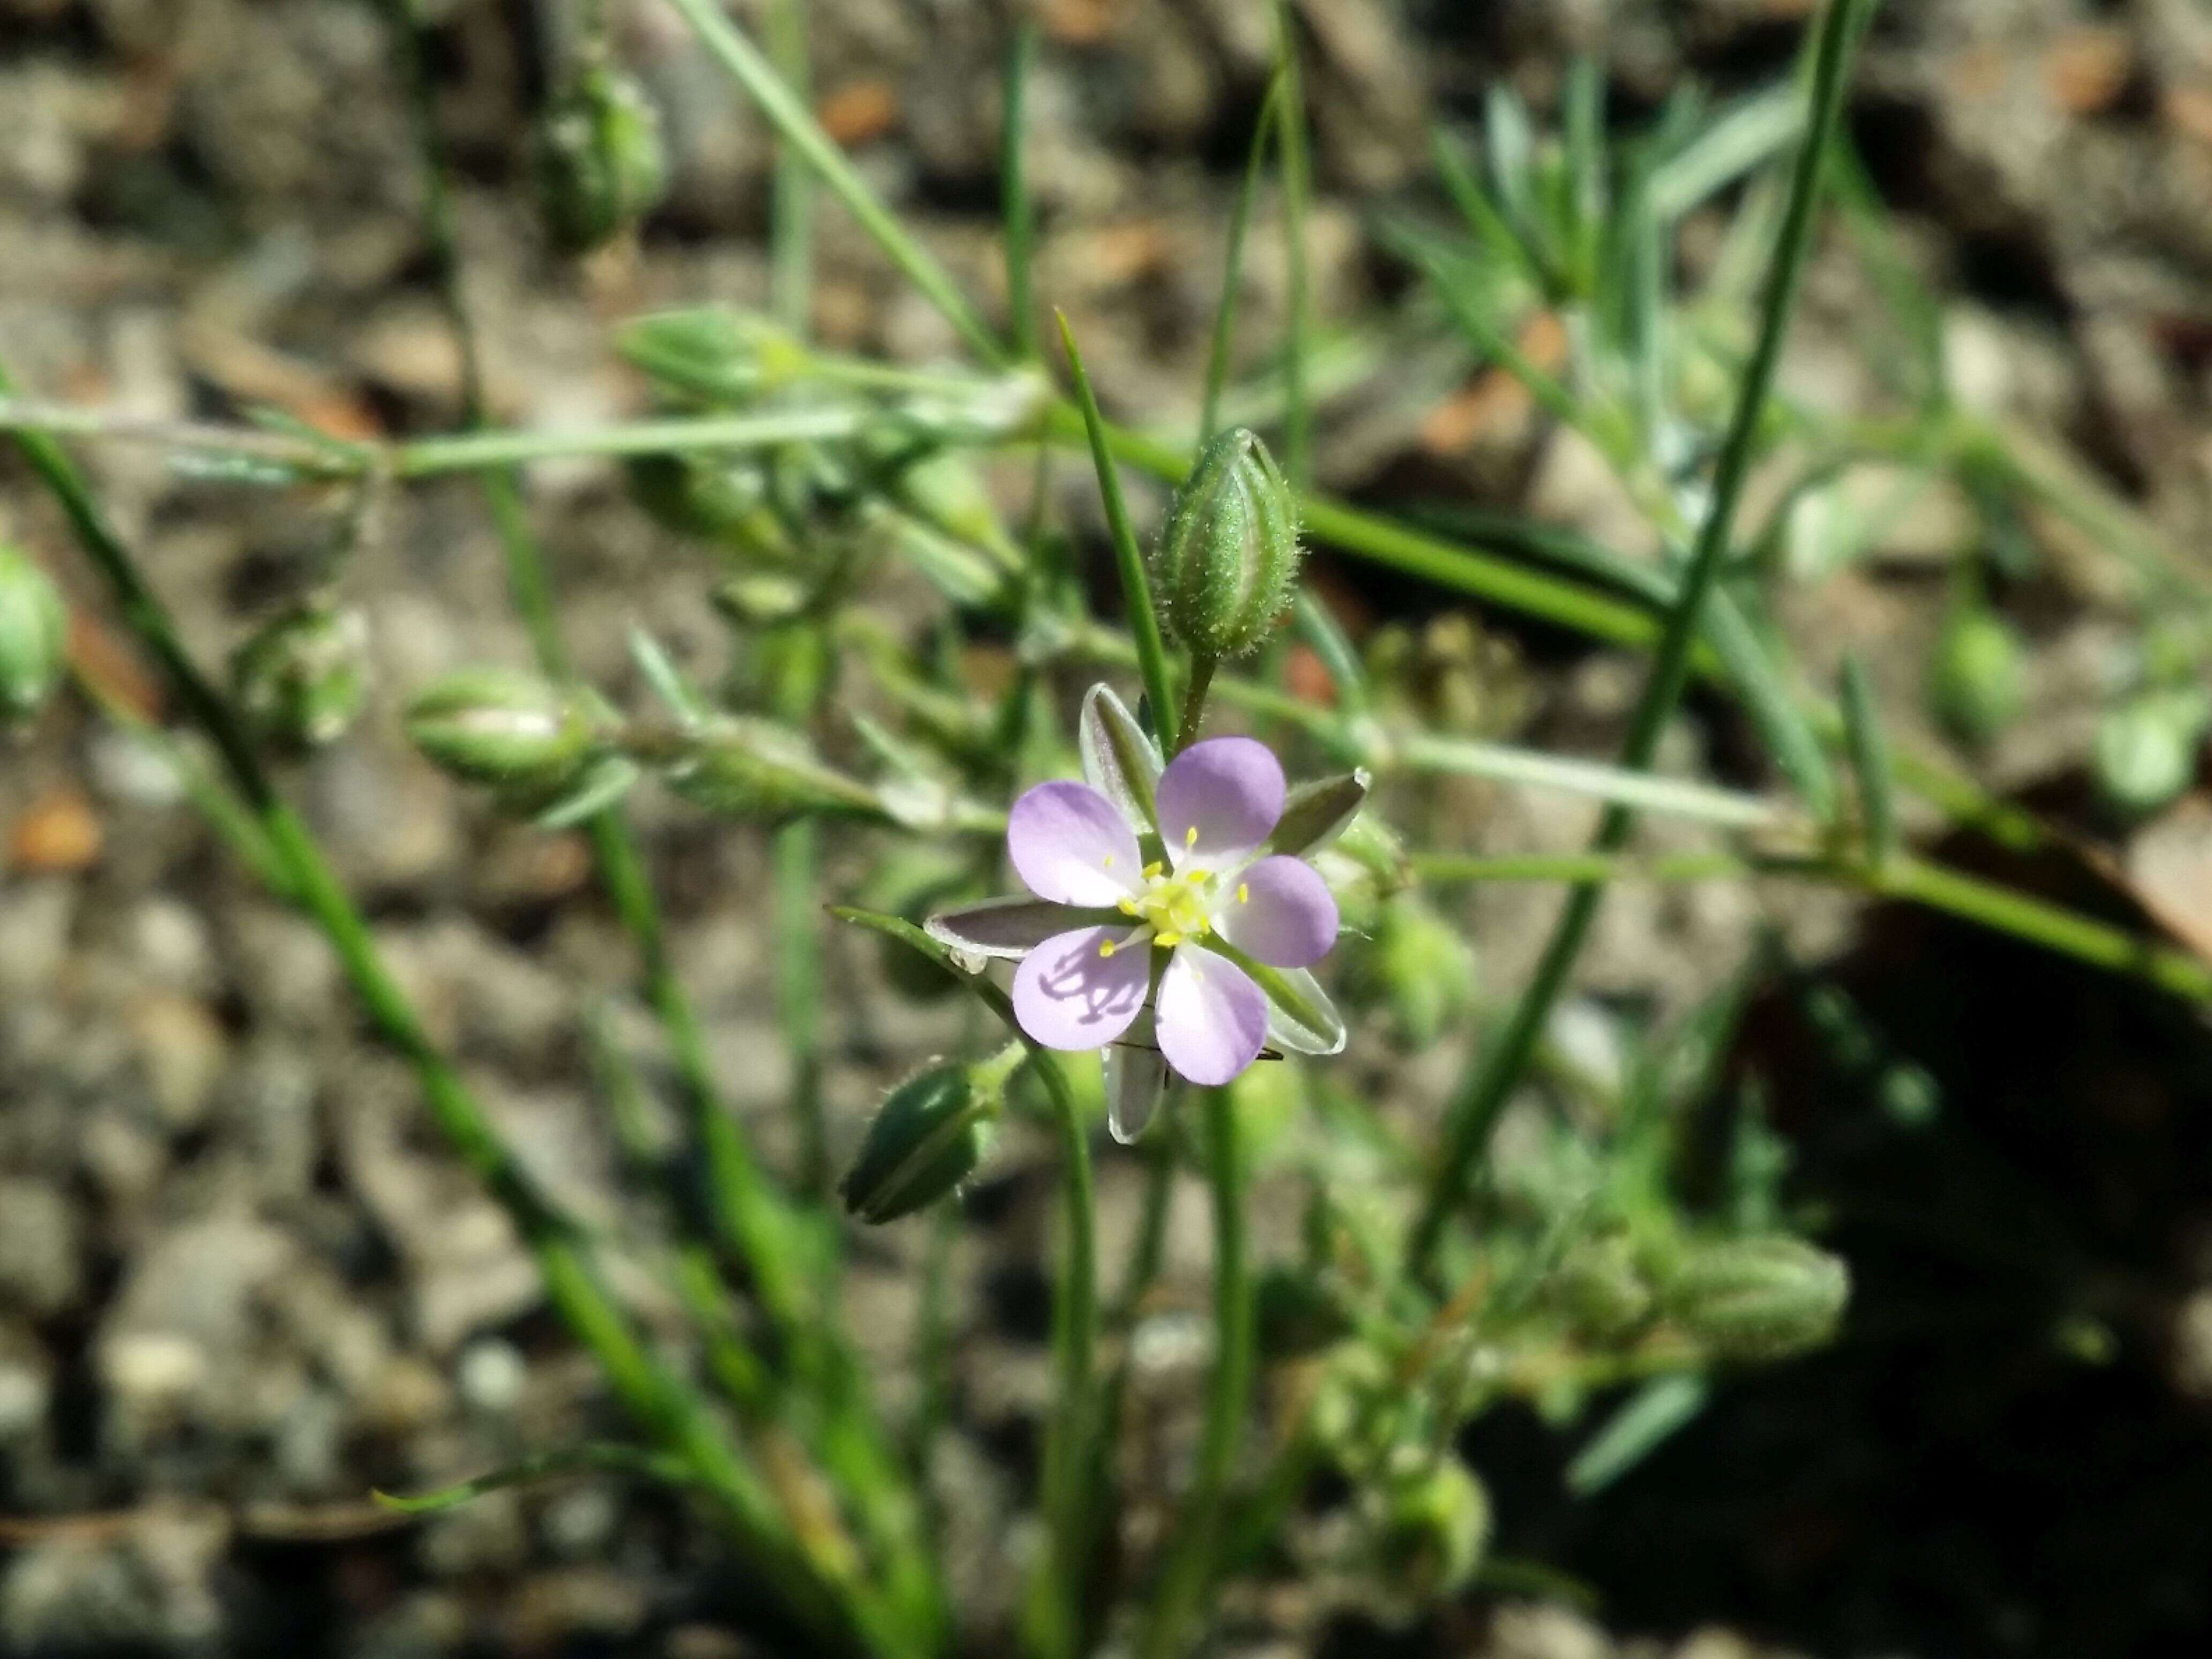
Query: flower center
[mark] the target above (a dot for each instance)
(1175, 907)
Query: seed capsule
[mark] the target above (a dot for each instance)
(34, 635)
(517, 732)
(601, 164)
(929, 1134)
(1976, 681)
(1229, 556)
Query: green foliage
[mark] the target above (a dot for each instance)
(602, 164)
(34, 635)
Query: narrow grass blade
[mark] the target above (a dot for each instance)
(1869, 750)
(591, 1458)
(1016, 207)
(1650, 1416)
(1291, 151)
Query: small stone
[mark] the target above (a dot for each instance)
(41, 1263)
(491, 1375)
(182, 1051)
(60, 833)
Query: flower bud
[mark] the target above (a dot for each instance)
(929, 1134)
(1759, 1298)
(718, 356)
(1229, 555)
(34, 635)
(2145, 752)
(746, 767)
(301, 680)
(718, 500)
(1430, 1529)
(519, 733)
(1602, 1289)
(601, 164)
(1414, 966)
(1976, 680)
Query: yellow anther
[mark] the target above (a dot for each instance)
(1126, 907)
(1170, 940)
(1190, 836)
(1152, 870)
(1108, 861)
(1243, 892)
(1105, 947)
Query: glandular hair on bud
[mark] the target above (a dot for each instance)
(1757, 1299)
(602, 165)
(34, 635)
(1228, 558)
(928, 1136)
(519, 733)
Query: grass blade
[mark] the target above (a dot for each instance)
(1870, 752)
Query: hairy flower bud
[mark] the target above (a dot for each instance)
(1976, 679)
(1229, 555)
(302, 679)
(749, 768)
(34, 635)
(521, 734)
(712, 355)
(928, 1136)
(1758, 1299)
(601, 164)
(1602, 1289)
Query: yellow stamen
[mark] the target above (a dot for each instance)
(1105, 947)
(1190, 836)
(1170, 940)
(1126, 907)
(1108, 861)
(1152, 870)
(1243, 892)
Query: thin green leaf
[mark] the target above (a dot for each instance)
(1017, 211)
(1650, 1415)
(592, 1457)
(1870, 752)
(1746, 137)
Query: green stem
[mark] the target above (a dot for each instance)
(1193, 700)
(1069, 1458)
(790, 239)
(1129, 560)
(426, 458)
(1194, 1550)
(1494, 1073)
(799, 993)
(728, 45)
(1018, 211)
(1297, 418)
(661, 1403)
(1232, 271)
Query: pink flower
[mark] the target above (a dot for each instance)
(1173, 917)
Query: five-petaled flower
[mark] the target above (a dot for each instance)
(1174, 918)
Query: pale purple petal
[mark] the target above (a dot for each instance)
(1212, 1018)
(1217, 800)
(1071, 845)
(1135, 1079)
(1119, 760)
(1281, 912)
(1000, 926)
(1070, 993)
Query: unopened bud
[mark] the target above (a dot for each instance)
(1229, 555)
(34, 635)
(1416, 968)
(929, 1134)
(715, 355)
(1758, 1299)
(746, 767)
(2145, 751)
(300, 681)
(718, 500)
(1976, 681)
(1363, 867)
(1431, 1528)
(519, 733)
(601, 164)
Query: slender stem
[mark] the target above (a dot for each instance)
(1495, 1072)
(425, 457)
(1017, 207)
(799, 993)
(1193, 700)
(1297, 419)
(791, 241)
(1195, 1547)
(1986, 903)
(728, 45)
(1136, 587)
(1232, 270)
(652, 1394)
